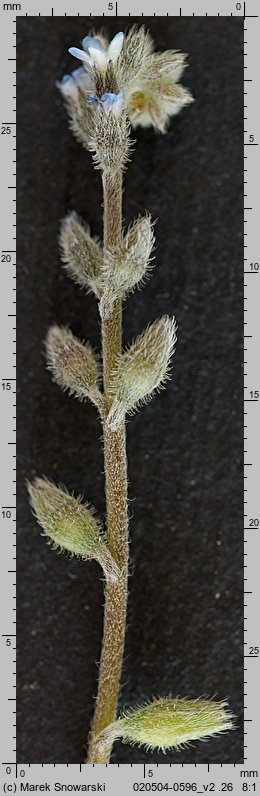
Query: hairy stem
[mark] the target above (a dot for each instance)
(116, 502)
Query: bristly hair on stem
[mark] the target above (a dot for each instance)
(118, 85)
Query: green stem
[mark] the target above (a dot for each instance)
(116, 502)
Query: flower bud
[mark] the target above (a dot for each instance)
(73, 365)
(81, 253)
(138, 46)
(70, 524)
(127, 265)
(170, 723)
(142, 369)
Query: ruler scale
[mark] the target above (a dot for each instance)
(147, 777)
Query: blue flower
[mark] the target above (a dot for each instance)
(70, 84)
(96, 54)
(111, 103)
(114, 103)
(93, 101)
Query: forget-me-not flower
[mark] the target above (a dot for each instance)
(70, 84)
(111, 103)
(95, 54)
(143, 82)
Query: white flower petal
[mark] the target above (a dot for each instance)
(115, 47)
(98, 58)
(89, 41)
(113, 103)
(83, 79)
(119, 103)
(80, 54)
(68, 87)
(107, 100)
(153, 102)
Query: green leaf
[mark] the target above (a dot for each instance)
(169, 723)
(73, 365)
(69, 524)
(142, 369)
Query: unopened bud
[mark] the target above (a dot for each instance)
(138, 45)
(142, 369)
(81, 253)
(69, 524)
(169, 723)
(126, 266)
(73, 365)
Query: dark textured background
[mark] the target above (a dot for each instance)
(185, 448)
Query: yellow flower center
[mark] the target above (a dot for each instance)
(138, 101)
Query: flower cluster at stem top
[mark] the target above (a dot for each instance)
(127, 75)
